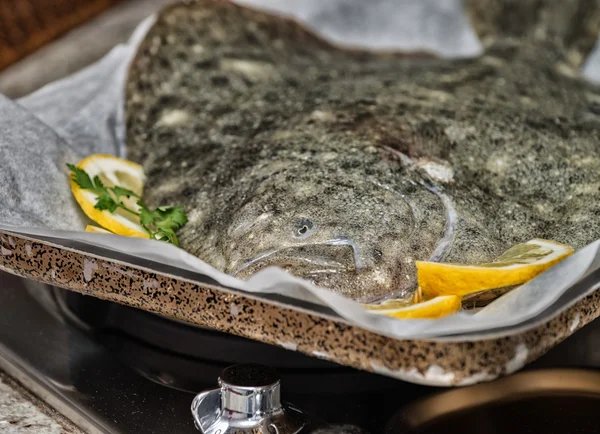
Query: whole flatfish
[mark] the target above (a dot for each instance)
(345, 166)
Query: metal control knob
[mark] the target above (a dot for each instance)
(248, 401)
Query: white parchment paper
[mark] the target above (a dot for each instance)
(82, 114)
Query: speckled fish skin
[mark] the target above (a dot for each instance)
(346, 166)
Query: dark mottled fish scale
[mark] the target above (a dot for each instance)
(346, 166)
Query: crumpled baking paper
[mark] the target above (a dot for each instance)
(82, 114)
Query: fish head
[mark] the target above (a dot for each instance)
(353, 235)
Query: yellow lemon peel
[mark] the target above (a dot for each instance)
(517, 265)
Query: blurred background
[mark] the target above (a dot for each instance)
(43, 40)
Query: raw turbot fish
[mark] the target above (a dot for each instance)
(345, 166)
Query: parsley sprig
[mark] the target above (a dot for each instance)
(160, 223)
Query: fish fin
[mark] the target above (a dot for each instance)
(572, 25)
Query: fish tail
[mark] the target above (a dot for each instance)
(572, 25)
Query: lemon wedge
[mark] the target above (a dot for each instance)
(516, 266)
(96, 229)
(434, 308)
(112, 171)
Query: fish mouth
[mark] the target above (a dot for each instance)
(336, 256)
(335, 265)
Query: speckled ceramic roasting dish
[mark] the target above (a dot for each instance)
(289, 323)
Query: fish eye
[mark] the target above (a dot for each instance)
(304, 227)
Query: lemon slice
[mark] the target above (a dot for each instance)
(96, 230)
(112, 171)
(434, 308)
(390, 304)
(516, 266)
(418, 295)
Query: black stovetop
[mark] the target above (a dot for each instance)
(115, 369)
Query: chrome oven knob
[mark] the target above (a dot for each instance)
(248, 401)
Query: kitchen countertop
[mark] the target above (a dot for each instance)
(21, 412)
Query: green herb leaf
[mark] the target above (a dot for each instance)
(160, 224)
(146, 218)
(105, 202)
(80, 177)
(120, 191)
(83, 180)
(98, 185)
(170, 217)
(169, 234)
